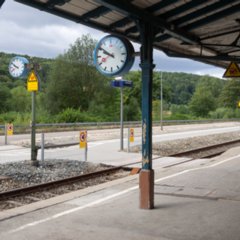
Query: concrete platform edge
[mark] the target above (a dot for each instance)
(62, 198)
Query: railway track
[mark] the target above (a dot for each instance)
(22, 196)
(204, 152)
(208, 151)
(30, 194)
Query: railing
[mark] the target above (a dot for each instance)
(100, 125)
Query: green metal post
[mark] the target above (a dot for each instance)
(161, 108)
(33, 131)
(147, 174)
(6, 136)
(147, 75)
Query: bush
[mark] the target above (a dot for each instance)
(225, 113)
(179, 116)
(70, 115)
(15, 118)
(179, 109)
(43, 116)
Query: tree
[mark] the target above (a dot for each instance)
(205, 98)
(73, 80)
(72, 85)
(76, 84)
(20, 100)
(202, 102)
(230, 94)
(4, 98)
(182, 86)
(82, 50)
(132, 111)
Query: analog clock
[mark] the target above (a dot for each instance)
(18, 67)
(113, 55)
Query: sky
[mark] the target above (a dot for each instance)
(25, 30)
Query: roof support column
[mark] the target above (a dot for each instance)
(146, 177)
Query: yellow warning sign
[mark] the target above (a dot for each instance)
(238, 104)
(131, 137)
(232, 71)
(9, 129)
(83, 139)
(32, 82)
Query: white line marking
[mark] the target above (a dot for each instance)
(73, 210)
(114, 196)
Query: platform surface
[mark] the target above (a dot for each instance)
(195, 200)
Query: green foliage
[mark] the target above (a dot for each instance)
(181, 86)
(82, 50)
(225, 113)
(202, 102)
(132, 111)
(179, 116)
(20, 100)
(230, 95)
(15, 118)
(75, 86)
(179, 109)
(4, 98)
(75, 83)
(73, 115)
(73, 91)
(156, 108)
(205, 98)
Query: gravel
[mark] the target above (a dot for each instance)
(22, 174)
(166, 148)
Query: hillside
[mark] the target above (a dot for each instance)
(73, 91)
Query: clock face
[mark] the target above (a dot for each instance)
(17, 66)
(113, 55)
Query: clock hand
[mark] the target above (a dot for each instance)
(106, 52)
(15, 66)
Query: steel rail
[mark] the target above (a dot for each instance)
(43, 186)
(207, 148)
(57, 183)
(201, 150)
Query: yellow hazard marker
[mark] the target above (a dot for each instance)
(238, 104)
(232, 71)
(32, 82)
(83, 139)
(131, 137)
(9, 129)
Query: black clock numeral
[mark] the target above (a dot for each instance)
(99, 56)
(117, 67)
(122, 61)
(124, 53)
(105, 68)
(100, 63)
(111, 69)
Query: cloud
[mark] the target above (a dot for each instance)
(168, 64)
(26, 30)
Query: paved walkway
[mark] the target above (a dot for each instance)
(107, 151)
(195, 200)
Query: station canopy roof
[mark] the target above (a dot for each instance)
(206, 31)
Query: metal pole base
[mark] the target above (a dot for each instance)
(146, 184)
(35, 163)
